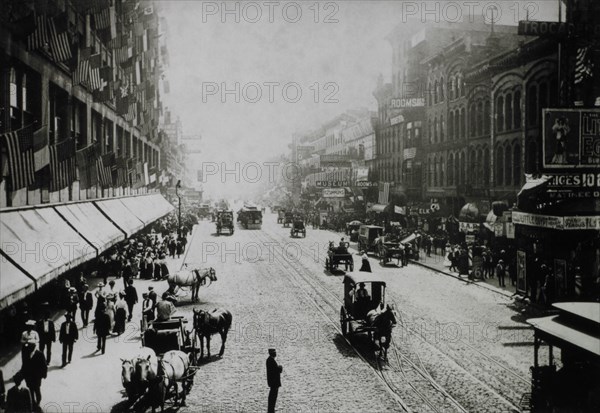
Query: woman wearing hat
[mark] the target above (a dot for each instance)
(120, 314)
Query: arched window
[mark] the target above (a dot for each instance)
(457, 124)
(436, 130)
(472, 167)
(452, 88)
(499, 166)
(508, 111)
(442, 169)
(450, 171)
(430, 127)
(451, 126)
(479, 118)
(431, 166)
(442, 128)
(500, 114)
(486, 166)
(462, 168)
(462, 123)
(436, 88)
(472, 121)
(459, 86)
(517, 109)
(517, 165)
(463, 86)
(508, 165)
(486, 117)
(442, 87)
(479, 170)
(532, 115)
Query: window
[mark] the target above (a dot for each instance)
(431, 166)
(450, 172)
(486, 166)
(457, 127)
(429, 94)
(499, 165)
(463, 87)
(436, 130)
(508, 165)
(473, 120)
(517, 109)
(500, 114)
(457, 161)
(532, 115)
(13, 88)
(472, 165)
(452, 89)
(451, 126)
(462, 123)
(442, 169)
(479, 118)
(462, 168)
(486, 117)
(508, 111)
(517, 165)
(442, 90)
(436, 88)
(442, 128)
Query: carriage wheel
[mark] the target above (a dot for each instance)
(343, 322)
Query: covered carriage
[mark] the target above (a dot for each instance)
(389, 249)
(288, 219)
(298, 228)
(224, 222)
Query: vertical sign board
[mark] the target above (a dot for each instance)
(571, 138)
(521, 272)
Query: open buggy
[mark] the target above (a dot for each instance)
(337, 256)
(225, 222)
(389, 249)
(298, 228)
(365, 311)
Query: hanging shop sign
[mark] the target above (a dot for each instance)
(467, 227)
(331, 184)
(366, 184)
(554, 222)
(571, 138)
(396, 120)
(334, 193)
(573, 185)
(400, 103)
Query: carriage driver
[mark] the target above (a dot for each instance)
(362, 294)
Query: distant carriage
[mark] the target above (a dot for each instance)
(298, 228)
(288, 219)
(250, 217)
(280, 216)
(388, 250)
(224, 221)
(365, 311)
(337, 256)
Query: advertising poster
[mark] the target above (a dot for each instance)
(521, 272)
(571, 138)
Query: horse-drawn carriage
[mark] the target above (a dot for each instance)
(288, 219)
(280, 216)
(298, 228)
(389, 249)
(224, 222)
(364, 310)
(337, 256)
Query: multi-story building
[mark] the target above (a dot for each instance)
(84, 79)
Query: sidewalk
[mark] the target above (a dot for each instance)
(436, 262)
(92, 381)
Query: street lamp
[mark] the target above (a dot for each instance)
(179, 216)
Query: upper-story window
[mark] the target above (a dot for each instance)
(517, 108)
(500, 114)
(487, 117)
(508, 111)
(442, 128)
(442, 90)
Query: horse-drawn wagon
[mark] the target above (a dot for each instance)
(298, 228)
(280, 215)
(337, 256)
(224, 222)
(364, 310)
(288, 219)
(388, 249)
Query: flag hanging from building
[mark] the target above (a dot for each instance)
(21, 163)
(95, 62)
(39, 38)
(41, 153)
(102, 19)
(62, 164)
(105, 164)
(384, 192)
(60, 42)
(80, 75)
(583, 64)
(122, 172)
(86, 165)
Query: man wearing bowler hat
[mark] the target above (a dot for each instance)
(273, 379)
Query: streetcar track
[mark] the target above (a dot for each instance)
(497, 393)
(381, 372)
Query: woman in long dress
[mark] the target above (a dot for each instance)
(110, 310)
(120, 315)
(447, 262)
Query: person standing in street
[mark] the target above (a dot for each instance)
(18, 398)
(47, 333)
(86, 302)
(147, 308)
(273, 379)
(29, 339)
(366, 265)
(152, 296)
(102, 325)
(500, 273)
(131, 298)
(34, 369)
(68, 336)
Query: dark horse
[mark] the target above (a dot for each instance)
(384, 320)
(208, 323)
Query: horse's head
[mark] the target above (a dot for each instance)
(126, 371)
(212, 274)
(143, 370)
(199, 318)
(392, 316)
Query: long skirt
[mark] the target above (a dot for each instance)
(120, 317)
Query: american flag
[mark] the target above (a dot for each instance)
(62, 164)
(60, 44)
(94, 75)
(105, 165)
(83, 66)
(86, 164)
(384, 192)
(583, 64)
(39, 38)
(122, 172)
(102, 19)
(21, 164)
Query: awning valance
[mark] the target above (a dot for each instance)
(121, 215)
(42, 243)
(15, 285)
(138, 205)
(91, 224)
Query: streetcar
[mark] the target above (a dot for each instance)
(250, 216)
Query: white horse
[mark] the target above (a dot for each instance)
(172, 367)
(138, 371)
(193, 278)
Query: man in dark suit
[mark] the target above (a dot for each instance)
(34, 369)
(68, 336)
(102, 326)
(86, 302)
(152, 296)
(131, 298)
(273, 379)
(47, 334)
(18, 398)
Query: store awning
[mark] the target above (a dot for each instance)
(41, 242)
(91, 224)
(138, 205)
(15, 285)
(379, 208)
(121, 215)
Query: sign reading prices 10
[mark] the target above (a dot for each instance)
(571, 139)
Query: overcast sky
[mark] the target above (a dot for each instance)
(333, 62)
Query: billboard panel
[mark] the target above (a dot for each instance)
(571, 138)
(334, 193)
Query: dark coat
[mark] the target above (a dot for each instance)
(35, 368)
(131, 295)
(87, 301)
(153, 297)
(46, 337)
(18, 400)
(102, 325)
(273, 373)
(73, 333)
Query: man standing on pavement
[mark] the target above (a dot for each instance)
(29, 339)
(102, 325)
(86, 302)
(34, 369)
(131, 298)
(18, 398)
(68, 336)
(47, 334)
(273, 379)
(147, 308)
